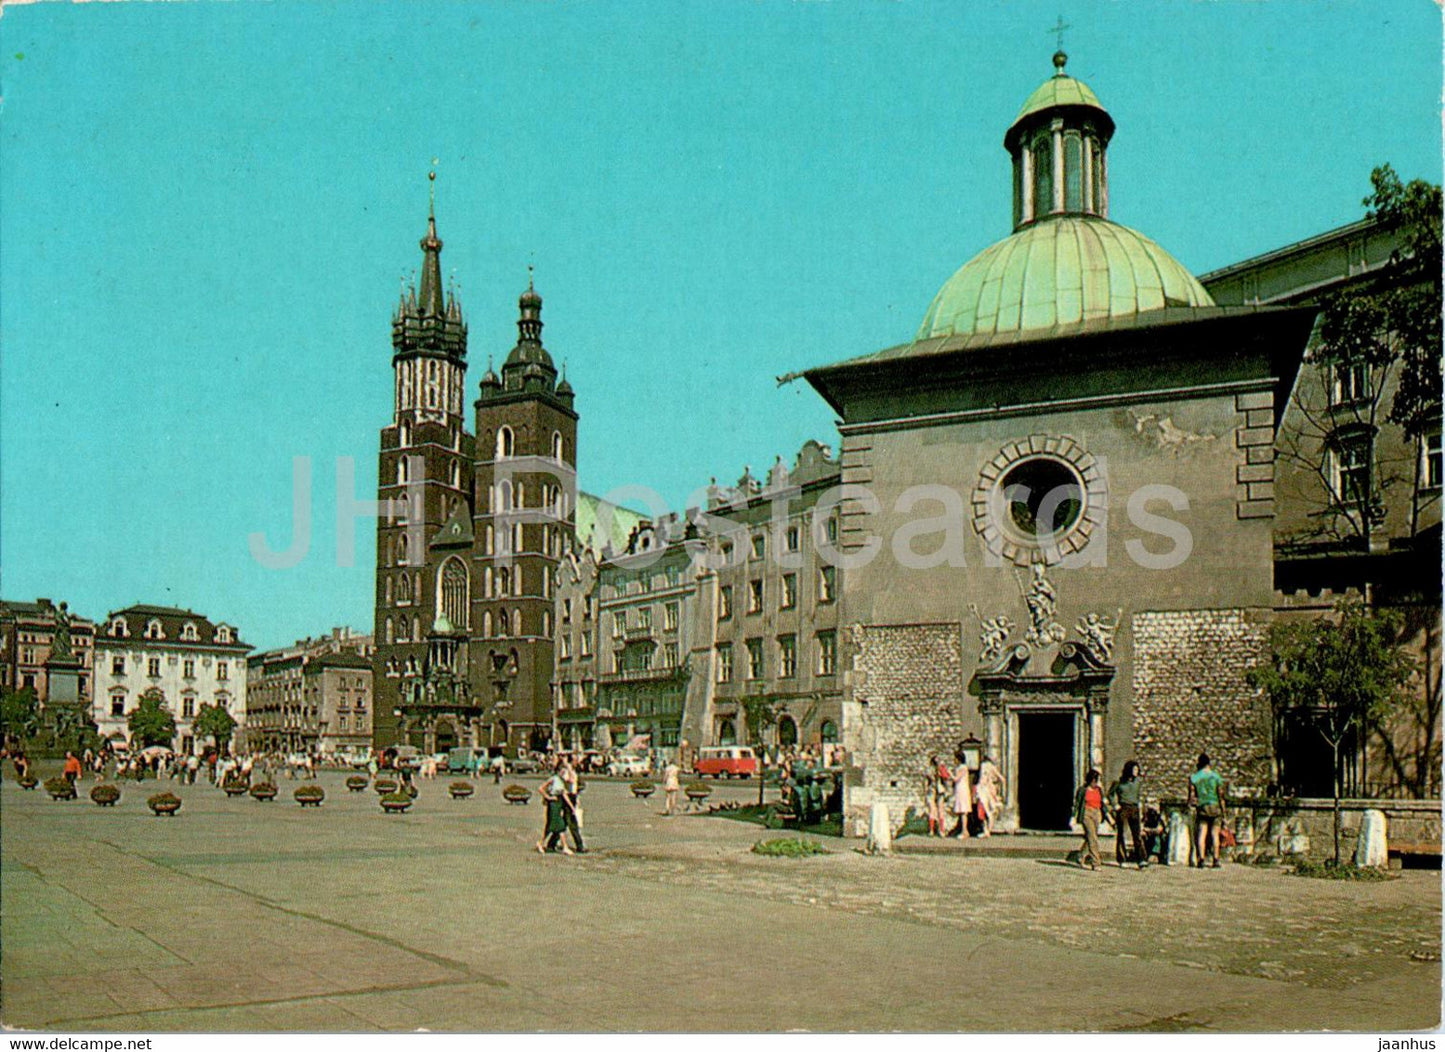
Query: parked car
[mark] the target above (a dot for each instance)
(408, 757)
(725, 761)
(627, 766)
(523, 765)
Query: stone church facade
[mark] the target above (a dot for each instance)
(1057, 540)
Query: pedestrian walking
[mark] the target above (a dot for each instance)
(555, 824)
(1206, 793)
(671, 785)
(1089, 812)
(572, 805)
(1124, 795)
(71, 772)
(962, 795)
(990, 793)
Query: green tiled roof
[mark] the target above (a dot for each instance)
(1056, 272)
(624, 521)
(1061, 90)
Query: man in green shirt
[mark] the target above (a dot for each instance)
(1206, 793)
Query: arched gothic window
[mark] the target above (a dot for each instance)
(486, 624)
(390, 631)
(452, 592)
(506, 443)
(557, 445)
(516, 625)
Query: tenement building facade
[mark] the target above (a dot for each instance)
(28, 657)
(182, 656)
(314, 696)
(475, 524)
(1058, 524)
(666, 643)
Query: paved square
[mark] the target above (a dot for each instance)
(238, 915)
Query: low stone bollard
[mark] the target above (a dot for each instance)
(1181, 837)
(1372, 848)
(880, 830)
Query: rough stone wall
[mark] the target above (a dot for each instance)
(909, 688)
(1190, 696)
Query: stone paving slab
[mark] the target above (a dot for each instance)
(240, 916)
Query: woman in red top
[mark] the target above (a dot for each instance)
(1089, 811)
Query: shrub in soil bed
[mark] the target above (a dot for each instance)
(788, 847)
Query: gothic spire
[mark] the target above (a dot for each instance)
(431, 302)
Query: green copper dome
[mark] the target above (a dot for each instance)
(1059, 271)
(1062, 90)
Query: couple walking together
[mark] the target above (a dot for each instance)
(564, 812)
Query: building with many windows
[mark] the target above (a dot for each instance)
(189, 659)
(27, 631)
(314, 696)
(671, 638)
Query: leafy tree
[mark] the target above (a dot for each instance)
(1384, 329)
(216, 722)
(20, 713)
(758, 715)
(150, 722)
(1344, 673)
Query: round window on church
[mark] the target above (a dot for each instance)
(1044, 499)
(1039, 500)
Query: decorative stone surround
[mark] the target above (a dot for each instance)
(989, 510)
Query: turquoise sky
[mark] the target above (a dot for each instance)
(206, 210)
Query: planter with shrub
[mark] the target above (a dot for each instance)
(233, 787)
(29, 782)
(642, 789)
(697, 792)
(395, 803)
(105, 795)
(59, 789)
(461, 790)
(263, 791)
(383, 786)
(516, 794)
(357, 783)
(309, 795)
(164, 804)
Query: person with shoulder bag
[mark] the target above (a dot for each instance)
(1206, 793)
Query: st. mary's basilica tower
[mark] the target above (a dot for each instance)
(471, 530)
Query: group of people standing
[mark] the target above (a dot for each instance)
(1146, 832)
(970, 801)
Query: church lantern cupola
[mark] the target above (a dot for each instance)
(529, 367)
(1059, 143)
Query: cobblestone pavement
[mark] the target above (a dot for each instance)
(238, 915)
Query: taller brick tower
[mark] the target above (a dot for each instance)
(525, 472)
(422, 546)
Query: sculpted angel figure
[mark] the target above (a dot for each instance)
(1098, 634)
(993, 636)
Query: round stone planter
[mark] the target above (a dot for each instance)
(265, 792)
(357, 784)
(309, 795)
(395, 803)
(642, 790)
(697, 793)
(59, 789)
(516, 794)
(461, 790)
(29, 782)
(383, 786)
(105, 795)
(164, 804)
(235, 788)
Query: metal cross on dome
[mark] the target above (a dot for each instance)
(1059, 29)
